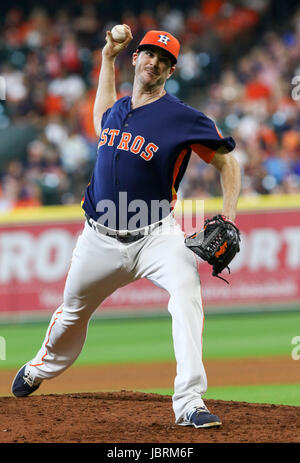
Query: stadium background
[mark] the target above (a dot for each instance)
(237, 63)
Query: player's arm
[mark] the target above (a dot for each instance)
(106, 94)
(230, 174)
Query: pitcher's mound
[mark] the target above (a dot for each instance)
(134, 417)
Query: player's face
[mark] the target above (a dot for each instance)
(152, 66)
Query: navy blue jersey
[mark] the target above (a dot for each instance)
(143, 154)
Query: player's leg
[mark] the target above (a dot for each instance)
(169, 264)
(95, 272)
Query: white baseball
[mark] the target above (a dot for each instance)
(118, 33)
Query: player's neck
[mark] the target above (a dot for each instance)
(142, 96)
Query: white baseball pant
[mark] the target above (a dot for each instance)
(100, 265)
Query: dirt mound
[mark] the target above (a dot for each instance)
(133, 417)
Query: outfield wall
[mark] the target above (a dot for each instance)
(36, 247)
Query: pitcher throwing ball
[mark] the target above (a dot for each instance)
(145, 143)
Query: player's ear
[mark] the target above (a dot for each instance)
(134, 58)
(172, 69)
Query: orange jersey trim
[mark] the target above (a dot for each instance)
(218, 131)
(83, 199)
(207, 154)
(177, 166)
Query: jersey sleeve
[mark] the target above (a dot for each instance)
(205, 139)
(104, 117)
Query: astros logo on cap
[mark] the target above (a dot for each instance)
(164, 40)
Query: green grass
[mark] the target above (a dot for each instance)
(279, 394)
(108, 341)
(250, 335)
(282, 394)
(150, 339)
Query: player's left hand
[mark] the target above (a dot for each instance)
(217, 243)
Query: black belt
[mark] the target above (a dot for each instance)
(128, 237)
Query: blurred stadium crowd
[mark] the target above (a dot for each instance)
(238, 59)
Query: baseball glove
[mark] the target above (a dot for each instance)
(217, 243)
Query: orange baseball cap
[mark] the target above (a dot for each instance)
(163, 40)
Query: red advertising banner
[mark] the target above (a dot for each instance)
(34, 261)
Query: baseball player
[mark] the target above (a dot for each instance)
(145, 142)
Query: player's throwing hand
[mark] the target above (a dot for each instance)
(112, 48)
